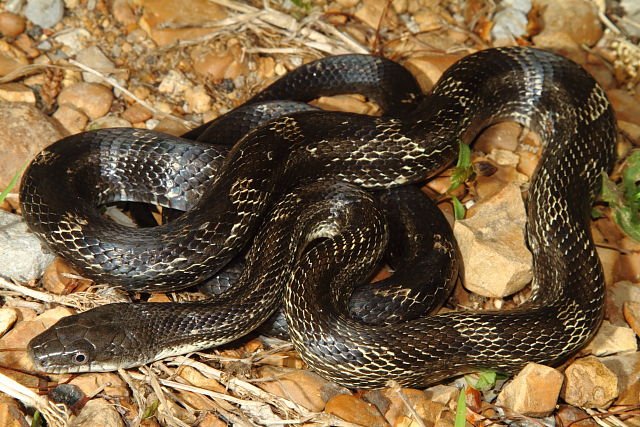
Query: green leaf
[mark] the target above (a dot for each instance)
(486, 380)
(12, 183)
(629, 221)
(151, 410)
(464, 168)
(461, 410)
(37, 419)
(624, 198)
(459, 210)
(610, 192)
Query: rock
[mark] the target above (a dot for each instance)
(428, 69)
(26, 131)
(137, 113)
(123, 12)
(502, 136)
(627, 369)
(174, 83)
(444, 394)
(17, 92)
(8, 317)
(617, 294)
(98, 413)
(197, 379)
(399, 414)
(74, 40)
(165, 23)
(576, 19)
(510, 21)
(497, 261)
(73, 120)
(197, 99)
(569, 415)
(371, 14)
(109, 121)
(11, 24)
(114, 385)
(354, 410)
(589, 384)
(93, 57)
(93, 99)
(44, 13)
(611, 339)
(631, 312)
(218, 66)
(533, 392)
(306, 388)
(11, 414)
(21, 252)
(626, 105)
(344, 103)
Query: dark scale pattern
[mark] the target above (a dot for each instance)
(539, 89)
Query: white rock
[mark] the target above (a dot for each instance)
(612, 339)
(45, 13)
(75, 39)
(496, 259)
(21, 253)
(93, 57)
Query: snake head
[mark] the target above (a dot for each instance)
(93, 341)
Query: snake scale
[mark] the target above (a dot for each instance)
(332, 156)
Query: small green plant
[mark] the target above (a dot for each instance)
(463, 171)
(624, 198)
(482, 381)
(305, 5)
(151, 410)
(12, 183)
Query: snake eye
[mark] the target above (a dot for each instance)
(79, 358)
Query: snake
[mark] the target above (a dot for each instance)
(309, 158)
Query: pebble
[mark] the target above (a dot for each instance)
(98, 413)
(17, 92)
(631, 312)
(370, 12)
(11, 24)
(8, 317)
(157, 14)
(399, 414)
(589, 384)
(197, 99)
(44, 13)
(110, 383)
(497, 261)
(93, 99)
(568, 415)
(510, 21)
(94, 58)
(123, 12)
(305, 388)
(26, 131)
(137, 113)
(109, 121)
(21, 252)
(627, 369)
(533, 392)
(71, 118)
(612, 339)
(219, 66)
(617, 294)
(74, 40)
(354, 410)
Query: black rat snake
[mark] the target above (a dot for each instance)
(539, 89)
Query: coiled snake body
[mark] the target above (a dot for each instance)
(541, 90)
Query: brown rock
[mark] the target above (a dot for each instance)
(344, 103)
(10, 413)
(399, 414)
(26, 131)
(17, 92)
(533, 392)
(11, 24)
(631, 312)
(306, 388)
(197, 99)
(109, 121)
(171, 126)
(218, 66)
(8, 317)
(123, 12)
(73, 120)
(576, 18)
(137, 113)
(497, 261)
(568, 415)
(9, 64)
(589, 384)
(354, 410)
(98, 413)
(15, 341)
(503, 136)
(110, 384)
(371, 13)
(159, 13)
(611, 339)
(93, 99)
(94, 58)
(626, 106)
(617, 294)
(428, 69)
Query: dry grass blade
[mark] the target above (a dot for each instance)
(55, 414)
